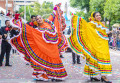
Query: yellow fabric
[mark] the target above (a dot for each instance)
(86, 40)
(92, 18)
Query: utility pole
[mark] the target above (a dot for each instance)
(104, 11)
(66, 7)
(25, 9)
(6, 6)
(29, 10)
(14, 6)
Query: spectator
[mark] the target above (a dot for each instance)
(9, 17)
(69, 31)
(8, 13)
(111, 41)
(74, 59)
(6, 47)
(2, 13)
(31, 23)
(114, 41)
(118, 42)
(17, 15)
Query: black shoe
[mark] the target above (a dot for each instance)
(8, 65)
(53, 80)
(73, 63)
(103, 80)
(0, 64)
(61, 56)
(56, 80)
(94, 79)
(27, 63)
(79, 63)
(38, 80)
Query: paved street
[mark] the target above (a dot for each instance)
(21, 73)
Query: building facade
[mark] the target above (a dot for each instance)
(24, 2)
(10, 5)
(19, 3)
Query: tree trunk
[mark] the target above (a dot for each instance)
(110, 28)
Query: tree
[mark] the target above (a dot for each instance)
(80, 4)
(83, 14)
(112, 11)
(97, 5)
(44, 9)
(109, 9)
(29, 10)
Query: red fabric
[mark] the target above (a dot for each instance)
(17, 16)
(31, 24)
(7, 29)
(8, 14)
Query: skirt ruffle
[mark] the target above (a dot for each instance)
(43, 57)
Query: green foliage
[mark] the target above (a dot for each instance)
(83, 14)
(44, 9)
(110, 9)
(80, 4)
(28, 8)
(97, 5)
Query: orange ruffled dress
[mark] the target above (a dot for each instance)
(59, 21)
(40, 48)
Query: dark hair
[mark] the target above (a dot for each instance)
(13, 15)
(6, 21)
(33, 16)
(8, 10)
(94, 14)
(16, 12)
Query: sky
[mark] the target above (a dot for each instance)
(70, 9)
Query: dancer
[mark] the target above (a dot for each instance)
(39, 47)
(91, 40)
(62, 41)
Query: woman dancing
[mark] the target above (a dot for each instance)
(91, 40)
(40, 48)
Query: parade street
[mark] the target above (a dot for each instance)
(22, 73)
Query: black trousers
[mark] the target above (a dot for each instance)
(5, 48)
(73, 58)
